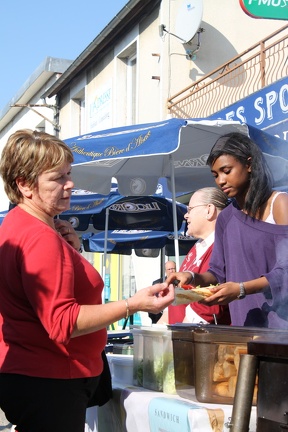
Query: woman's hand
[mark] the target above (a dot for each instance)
(223, 294)
(182, 278)
(229, 291)
(68, 233)
(152, 299)
(189, 278)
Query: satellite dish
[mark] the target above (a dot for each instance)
(188, 19)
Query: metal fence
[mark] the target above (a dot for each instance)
(260, 65)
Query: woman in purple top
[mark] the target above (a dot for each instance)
(250, 255)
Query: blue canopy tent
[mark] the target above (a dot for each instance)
(102, 213)
(123, 241)
(83, 205)
(153, 212)
(176, 149)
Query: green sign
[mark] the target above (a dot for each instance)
(271, 9)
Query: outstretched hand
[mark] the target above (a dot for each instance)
(222, 294)
(153, 299)
(183, 278)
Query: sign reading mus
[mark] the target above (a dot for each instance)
(271, 9)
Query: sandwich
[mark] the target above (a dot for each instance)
(186, 296)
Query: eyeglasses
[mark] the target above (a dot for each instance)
(191, 208)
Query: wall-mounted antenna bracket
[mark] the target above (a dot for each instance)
(191, 54)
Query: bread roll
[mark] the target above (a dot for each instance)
(232, 385)
(221, 389)
(229, 369)
(242, 349)
(218, 372)
(226, 353)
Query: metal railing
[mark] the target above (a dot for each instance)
(260, 65)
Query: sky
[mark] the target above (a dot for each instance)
(32, 30)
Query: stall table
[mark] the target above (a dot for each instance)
(136, 409)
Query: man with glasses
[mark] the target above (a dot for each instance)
(204, 207)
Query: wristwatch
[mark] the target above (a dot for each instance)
(242, 293)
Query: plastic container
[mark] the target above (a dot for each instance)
(153, 364)
(137, 333)
(126, 348)
(184, 358)
(158, 362)
(217, 351)
(168, 364)
(109, 355)
(121, 367)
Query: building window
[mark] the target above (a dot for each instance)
(126, 99)
(82, 118)
(78, 117)
(131, 89)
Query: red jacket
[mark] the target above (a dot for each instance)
(176, 314)
(43, 283)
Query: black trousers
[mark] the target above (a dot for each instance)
(44, 404)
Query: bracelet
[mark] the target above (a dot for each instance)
(127, 309)
(192, 276)
(242, 291)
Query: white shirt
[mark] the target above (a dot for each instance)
(202, 246)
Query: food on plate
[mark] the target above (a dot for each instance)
(186, 296)
(204, 292)
(187, 287)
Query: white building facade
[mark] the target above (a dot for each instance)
(129, 78)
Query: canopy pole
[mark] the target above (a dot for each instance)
(105, 243)
(176, 239)
(162, 263)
